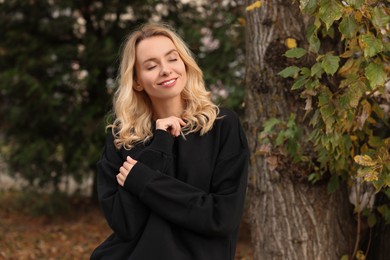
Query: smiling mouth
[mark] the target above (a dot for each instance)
(168, 82)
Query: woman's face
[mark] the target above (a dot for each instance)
(159, 69)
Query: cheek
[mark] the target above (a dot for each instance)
(145, 78)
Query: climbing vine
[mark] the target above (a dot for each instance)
(346, 88)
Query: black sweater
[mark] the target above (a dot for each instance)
(183, 200)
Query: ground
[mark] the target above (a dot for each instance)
(70, 235)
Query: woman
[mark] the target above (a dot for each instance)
(172, 177)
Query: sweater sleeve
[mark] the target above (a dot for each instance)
(159, 153)
(124, 212)
(214, 213)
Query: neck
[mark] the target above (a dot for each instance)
(166, 108)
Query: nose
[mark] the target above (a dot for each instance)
(165, 70)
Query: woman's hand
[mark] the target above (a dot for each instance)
(170, 124)
(124, 170)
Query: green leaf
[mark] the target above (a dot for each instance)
(355, 3)
(355, 92)
(327, 112)
(375, 141)
(324, 97)
(299, 82)
(371, 220)
(305, 71)
(372, 46)
(330, 63)
(379, 17)
(280, 139)
(295, 53)
(378, 185)
(314, 177)
(333, 184)
(316, 70)
(348, 27)
(330, 11)
(308, 6)
(385, 211)
(312, 37)
(289, 71)
(269, 124)
(376, 74)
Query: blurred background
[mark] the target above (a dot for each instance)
(58, 68)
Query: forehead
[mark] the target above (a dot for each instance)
(154, 47)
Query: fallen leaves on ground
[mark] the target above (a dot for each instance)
(71, 235)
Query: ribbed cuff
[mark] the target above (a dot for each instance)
(138, 178)
(162, 142)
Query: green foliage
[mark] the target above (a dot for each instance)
(58, 66)
(345, 90)
(282, 135)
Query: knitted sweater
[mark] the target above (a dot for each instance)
(182, 200)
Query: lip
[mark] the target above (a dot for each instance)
(168, 83)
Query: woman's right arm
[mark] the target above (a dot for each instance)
(124, 212)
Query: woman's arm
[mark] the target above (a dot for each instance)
(124, 212)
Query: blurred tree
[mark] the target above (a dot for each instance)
(58, 70)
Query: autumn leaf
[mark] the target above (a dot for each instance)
(368, 174)
(272, 162)
(330, 11)
(348, 27)
(364, 160)
(295, 53)
(376, 74)
(330, 63)
(291, 43)
(253, 6)
(371, 45)
(289, 71)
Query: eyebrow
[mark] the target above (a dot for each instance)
(166, 54)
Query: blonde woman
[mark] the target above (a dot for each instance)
(173, 173)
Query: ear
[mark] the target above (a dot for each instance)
(137, 86)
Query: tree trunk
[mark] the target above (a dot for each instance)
(378, 239)
(289, 217)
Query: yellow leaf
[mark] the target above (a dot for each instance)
(358, 16)
(348, 10)
(364, 160)
(347, 68)
(253, 6)
(360, 255)
(353, 137)
(371, 120)
(371, 176)
(291, 43)
(241, 21)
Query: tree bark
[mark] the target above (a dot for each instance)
(289, 217)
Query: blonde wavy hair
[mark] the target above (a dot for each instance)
(132, 109)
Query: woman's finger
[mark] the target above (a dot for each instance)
(120, 179)
(131, 161)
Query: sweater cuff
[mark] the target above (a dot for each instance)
(139, 176)
(162, 142)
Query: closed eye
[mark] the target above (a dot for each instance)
(150, 68)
